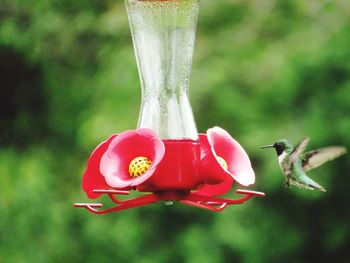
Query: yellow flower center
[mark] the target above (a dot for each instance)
(222, 162)
(139, 165)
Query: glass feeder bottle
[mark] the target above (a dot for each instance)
(163, 33)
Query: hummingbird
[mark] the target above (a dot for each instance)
(294, 163)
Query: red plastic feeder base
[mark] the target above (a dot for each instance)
(212, 203)
(192, 172)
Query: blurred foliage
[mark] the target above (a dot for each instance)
(263, 70)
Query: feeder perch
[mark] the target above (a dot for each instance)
(165, 158)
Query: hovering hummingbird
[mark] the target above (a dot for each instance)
(294, 163)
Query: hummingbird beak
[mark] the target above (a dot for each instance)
(268, 146)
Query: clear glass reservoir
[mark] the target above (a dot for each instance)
(163, 33)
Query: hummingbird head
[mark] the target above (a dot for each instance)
(280, 146)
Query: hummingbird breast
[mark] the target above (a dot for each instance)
(284, 163)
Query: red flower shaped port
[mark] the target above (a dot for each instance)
(131, 158)
(123, 161)
(223, 158)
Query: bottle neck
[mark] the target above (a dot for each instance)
(163, 35)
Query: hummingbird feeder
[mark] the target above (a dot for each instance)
(165, 158)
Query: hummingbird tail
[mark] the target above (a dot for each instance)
(308, 183)
(315, 185)
(322, 189)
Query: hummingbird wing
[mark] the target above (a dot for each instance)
(299, 149)
(316, 158)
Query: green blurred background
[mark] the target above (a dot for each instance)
(263, 70)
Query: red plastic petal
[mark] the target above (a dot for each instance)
(239, 166)
(93, 179)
